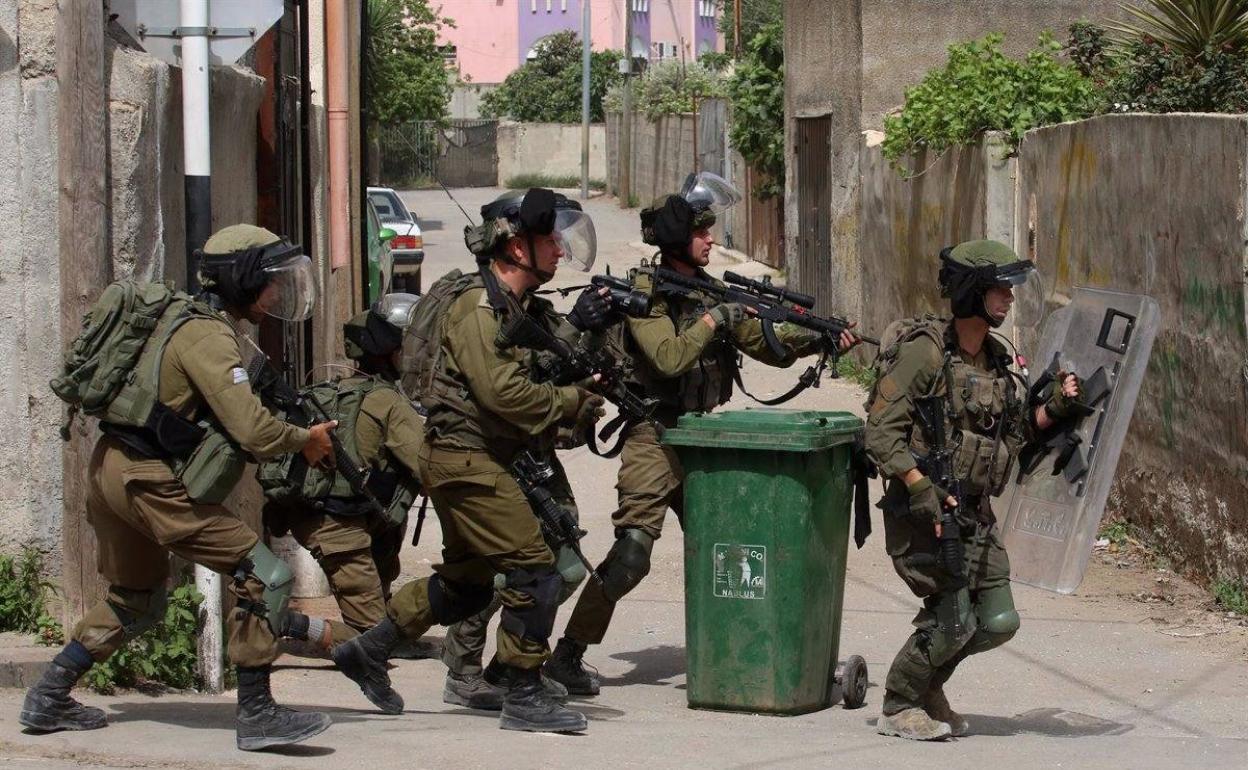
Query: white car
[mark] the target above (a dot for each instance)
(408, 246)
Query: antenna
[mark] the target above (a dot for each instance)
(452, 197)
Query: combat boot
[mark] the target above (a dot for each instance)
(260, 723)
(527, 707)
(937, 707)
(566, 666)
(501, 677)
(363, 660)
(472, 691)
(912, 723)
(48, 706)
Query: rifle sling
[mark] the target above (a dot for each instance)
(809, 378)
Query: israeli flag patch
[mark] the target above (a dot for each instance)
(239, 374)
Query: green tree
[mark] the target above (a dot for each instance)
(406, 77)
(547, 89)
(756, 90)
(669, 87)
(755, 15)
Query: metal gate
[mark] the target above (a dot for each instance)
(814, 208)
(459, 153)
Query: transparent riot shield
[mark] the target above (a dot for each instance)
(1058, 491)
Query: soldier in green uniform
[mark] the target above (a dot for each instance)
(990, 418)
(685, 355)
(156, 486)
(483, 410)
(355, 545)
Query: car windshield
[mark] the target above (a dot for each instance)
(389, 207)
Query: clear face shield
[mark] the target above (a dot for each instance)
(706, 191)
(291, 289)
(577, 238)
(1023, 279)
(398, 309)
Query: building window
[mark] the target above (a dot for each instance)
(706, 9)
(533, 6)
(642, 6)
(549, 6)
(563, 5)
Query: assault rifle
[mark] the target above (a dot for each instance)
(276, 393)
(575, 363)
(938, 466)
(770, 304)
(532, 475)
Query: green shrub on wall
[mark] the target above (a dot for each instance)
(668, 87)
(981, 89)
(756, 90)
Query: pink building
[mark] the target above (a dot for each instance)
(494, 37)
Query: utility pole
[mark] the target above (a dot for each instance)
(85, 262)
(736, 29)
(585, 62)
(625, 182)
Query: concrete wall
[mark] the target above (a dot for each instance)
(466, 99)
(553, 149)
(147, 226)
(962, 195)
(1113, 202)
(903, 39)
(30, 447)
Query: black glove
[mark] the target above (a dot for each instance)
(1059, 405)
(590, 411)
(590, 311)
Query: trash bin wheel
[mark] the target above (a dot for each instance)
(854, 681)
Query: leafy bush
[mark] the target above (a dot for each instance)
(1231, 595)
(24, 595)
(756, 89)
(981, 89)
(164, 654)
(669, 87)
(547, 89)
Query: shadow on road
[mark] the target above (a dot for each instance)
(212, 716)
(1049, 722)
(653, 665)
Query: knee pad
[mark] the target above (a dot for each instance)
(278, 581)
(138, 610)
(536, 622)
(450, 603)
(627, 563)
(571, 571)
(998, 620)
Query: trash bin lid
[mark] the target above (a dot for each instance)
(789, 430)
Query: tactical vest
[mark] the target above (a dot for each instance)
(708, 383)
(451, 412)
(986, 432)
(288, 479)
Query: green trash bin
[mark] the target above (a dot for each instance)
(766, 529)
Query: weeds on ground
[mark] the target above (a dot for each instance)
(1231, 595)
(24, 596)
(856, 372)
(525, 181)
(164, 654)
(1117, 532)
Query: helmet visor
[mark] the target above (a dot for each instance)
(398, 309)
(577, 238)
(1024, 280)
(290, 290)
(705, 191)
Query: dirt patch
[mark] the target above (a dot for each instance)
(1129, 574)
